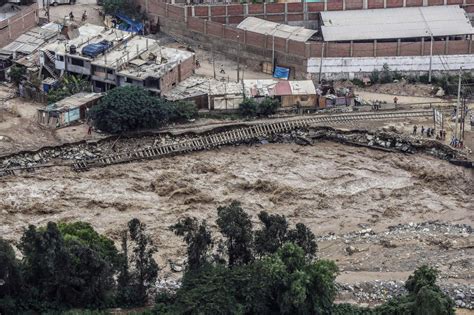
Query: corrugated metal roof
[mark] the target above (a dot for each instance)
(261, 26)
(395, 23)
(302, 87)
(28, 42)
(283, 88)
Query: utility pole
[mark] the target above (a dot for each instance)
(457, 105)
(431, 58)
(213, 60)
(321, 63)
(273, 52)
(238, 59)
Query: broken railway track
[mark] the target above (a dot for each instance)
(238, 135)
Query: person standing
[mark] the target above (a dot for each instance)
(422, 130)
(414, 130)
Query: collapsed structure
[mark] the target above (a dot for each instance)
(111, 58)
(217, 95)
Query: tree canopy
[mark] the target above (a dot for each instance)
(133, 108)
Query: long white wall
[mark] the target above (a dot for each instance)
(355, 67)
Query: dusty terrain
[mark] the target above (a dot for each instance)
(336, 190)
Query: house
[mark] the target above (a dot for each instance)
(67, 111)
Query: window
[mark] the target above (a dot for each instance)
(60, 58)
(77, 62)
(304, 98)
(128, 80)
(110, 71)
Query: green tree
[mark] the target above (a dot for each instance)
(128, 7)
(198, 239)
(63, 272)
(275, 233)
(236, 227)
(10, 279)
(132, 108)
(424, 296)
(69, 85)
(248, 108)
(83, 233)
(386, 76)
(141, 270)
(180, 111)
(268, 106)
(375, 76)
(17, 74)
(304, 238)
(126, 109)
(297, 285)
(272, 235)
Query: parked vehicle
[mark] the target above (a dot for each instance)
(57, 2)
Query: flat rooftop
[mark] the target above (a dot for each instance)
(152, 62)
(296, 33)
(88, 34)
(395, 23)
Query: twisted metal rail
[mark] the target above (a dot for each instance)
(238, 135)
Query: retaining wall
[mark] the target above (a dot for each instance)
(16, 25)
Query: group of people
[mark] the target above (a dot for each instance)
(83, 19)
(429, 131)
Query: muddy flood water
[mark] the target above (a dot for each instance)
(334, 189)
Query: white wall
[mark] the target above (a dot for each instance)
(353, 67)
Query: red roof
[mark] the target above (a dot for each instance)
(283, 88)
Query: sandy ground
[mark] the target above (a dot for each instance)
(330, 187)
(372, 96)
(19, 130)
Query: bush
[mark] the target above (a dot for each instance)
(16, 74)
(268, 107)
(375, 76)
(248, 108)
(386, 76)
(358, 82)
(68, 86)
(181, 111)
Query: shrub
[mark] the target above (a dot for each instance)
(268, 106)
(375, 76)
(17, 74)
(386, 76)
(248, 108)
(358, 82)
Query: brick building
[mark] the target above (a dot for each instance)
(112, 58)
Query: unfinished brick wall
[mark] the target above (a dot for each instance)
(21, 22)
(177, 74)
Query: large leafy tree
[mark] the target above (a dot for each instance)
(132, 108)
(236, 227)
(66, 271)
(127, 108)
(141, 270)
(198, 239)
(10, 278)
(274, 233)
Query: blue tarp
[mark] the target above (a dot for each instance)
(129, 25)
(93, 50)
(281, 73)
